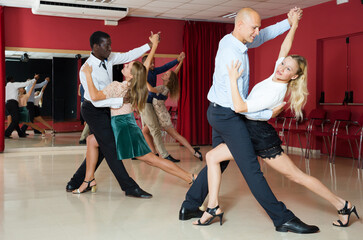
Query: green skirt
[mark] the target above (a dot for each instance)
(128, 136)
(24, 115)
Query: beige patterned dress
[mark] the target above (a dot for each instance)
(159, 106)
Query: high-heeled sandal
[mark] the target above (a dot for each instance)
(193, 179)
(93, 188)
(198, 154)
(212, 211)
(346, 211)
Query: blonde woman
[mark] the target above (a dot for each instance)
(170, 86)
(128, 136)
(290, 76)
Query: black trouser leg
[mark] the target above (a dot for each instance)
(230, 127)
(13, 108)
(99, 123)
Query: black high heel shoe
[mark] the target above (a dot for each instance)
(93, 188)
(198, 154)
(212, 211)
(346, 211)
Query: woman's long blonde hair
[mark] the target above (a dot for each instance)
(138, 89)
(173, 86)
(297, 89)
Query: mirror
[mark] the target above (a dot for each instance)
(60, 105)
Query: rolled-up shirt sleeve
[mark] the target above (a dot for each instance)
(119, 58)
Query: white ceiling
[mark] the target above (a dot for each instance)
(199, 10)
(206, 10)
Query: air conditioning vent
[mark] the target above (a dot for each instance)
(90, 11)
(73, 5)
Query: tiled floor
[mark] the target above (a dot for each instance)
(35, 205)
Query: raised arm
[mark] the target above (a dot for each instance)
(40, 95)
(23, 84)
(180, 60)
(154, 39)
(27, 95)
(238, 104)
(43, 88)
(94, 93)
(287, 43)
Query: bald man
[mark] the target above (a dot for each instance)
(229, 127)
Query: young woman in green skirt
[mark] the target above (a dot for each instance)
(128, 136)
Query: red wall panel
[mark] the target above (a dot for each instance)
(24, 29)
(334, 70)
(356, 67)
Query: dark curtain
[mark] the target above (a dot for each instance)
(2, 79)
(200, 44)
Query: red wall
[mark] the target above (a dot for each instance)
(24, 29)
(322, 21)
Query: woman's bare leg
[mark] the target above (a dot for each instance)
(149, 139)
(91, 162)
(167, 166)
(42, 121)
(285, 166)
(32, 125)
(214, 157)
(172, 132)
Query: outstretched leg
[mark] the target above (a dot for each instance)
(285, 166)
(32, 125)
(172, 132)
(167, 166)
(42, 121)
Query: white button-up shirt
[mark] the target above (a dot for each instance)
(230, 48)
(102, 77)
(11, 89)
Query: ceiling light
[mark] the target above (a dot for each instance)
(229, 15)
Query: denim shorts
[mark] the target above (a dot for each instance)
(265, 140)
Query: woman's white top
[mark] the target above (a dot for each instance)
(38, 98)
(266, 94)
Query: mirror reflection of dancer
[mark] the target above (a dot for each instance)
(290, 76)
(24, 111)
(12, 105)
(170, 85)
(30, 103)
(38, 98)
(128, 136)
